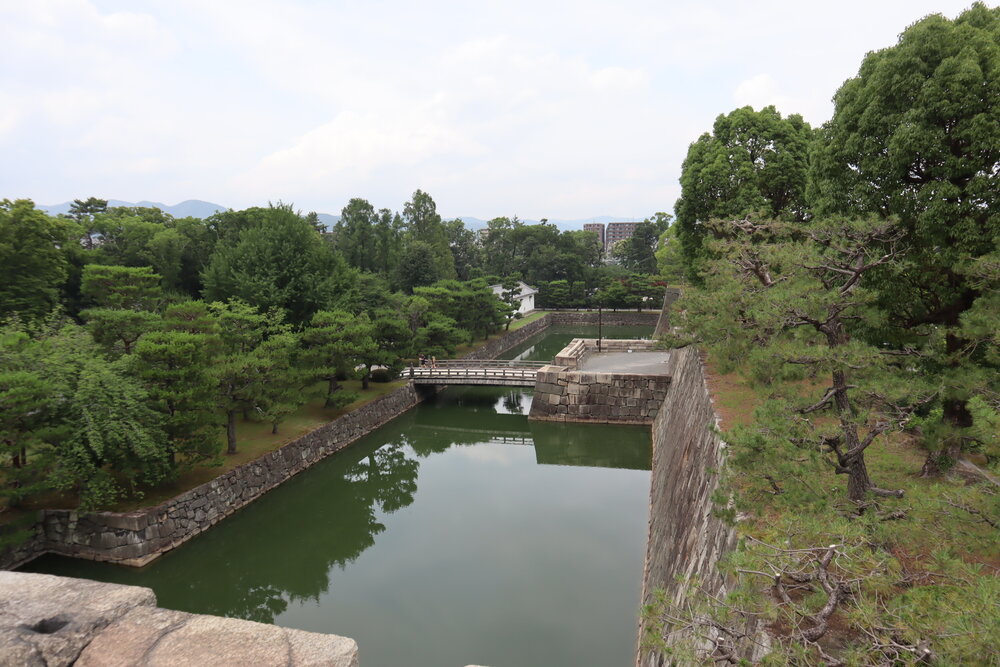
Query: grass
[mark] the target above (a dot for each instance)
(254, 439)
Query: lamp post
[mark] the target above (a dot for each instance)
(599, 328)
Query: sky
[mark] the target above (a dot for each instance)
(538, 109)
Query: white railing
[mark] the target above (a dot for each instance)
(458, 370)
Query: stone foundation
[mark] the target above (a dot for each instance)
(611, 398)
(563, 393)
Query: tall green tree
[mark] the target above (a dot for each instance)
(29, 414)
(464, 251)
(753, 161)
(388, 241)
(417, 267)
(84, 212)
(636, 253)
(33, 264)
(916, 136)
(117, 447)
(423, 223)
(125, 298)
(334, 343)
(356, 235)
(175, 367)
(279, 261)
(246, 362)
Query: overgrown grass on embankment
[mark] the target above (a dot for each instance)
(921, 573)
(254, 439)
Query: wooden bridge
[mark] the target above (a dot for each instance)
(493, 372)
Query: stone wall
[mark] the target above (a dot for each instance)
(60, 621)
(136, 538)
(494, 348)
(614, 398)
(611, 318)
(685, 540)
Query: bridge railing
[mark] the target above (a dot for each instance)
(470, 368)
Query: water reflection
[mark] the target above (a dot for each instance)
(605, 446)
(253, 564)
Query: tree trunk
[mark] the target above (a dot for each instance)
(331, 390)
(231, 432)
(956, 418)
(364, 379)
(274, 428)
(858, 482)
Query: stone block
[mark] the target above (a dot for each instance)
(151, 636)
(48, 620)
(131, 521)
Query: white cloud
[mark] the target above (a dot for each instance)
(494, 108)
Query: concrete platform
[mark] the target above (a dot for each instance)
(638, 363)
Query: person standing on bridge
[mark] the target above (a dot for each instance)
(434, 362)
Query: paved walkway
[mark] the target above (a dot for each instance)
(640, 363)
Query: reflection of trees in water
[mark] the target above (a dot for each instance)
(294, 541)
(513, 402)
(389, 476)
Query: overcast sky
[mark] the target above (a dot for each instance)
(557, 110)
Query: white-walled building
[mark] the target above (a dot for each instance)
(526, 296)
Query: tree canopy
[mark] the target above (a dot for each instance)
(752, 161)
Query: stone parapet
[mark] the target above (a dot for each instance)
(575, 355)
(59, 621)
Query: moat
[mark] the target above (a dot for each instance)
(459, 533)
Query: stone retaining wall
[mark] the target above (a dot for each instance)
(494, 348)
(611, 318)
(614, 398)
(685, 540)
(136, 538)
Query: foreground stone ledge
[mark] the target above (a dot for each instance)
(54, 621)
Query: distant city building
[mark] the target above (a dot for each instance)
(526, 296)
(597, 228)
(481, 234)
(618, 231)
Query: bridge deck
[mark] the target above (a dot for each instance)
(477, 372)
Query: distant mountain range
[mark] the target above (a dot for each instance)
(197, 208)
(193, 208)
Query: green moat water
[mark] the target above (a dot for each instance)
(459, 533)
